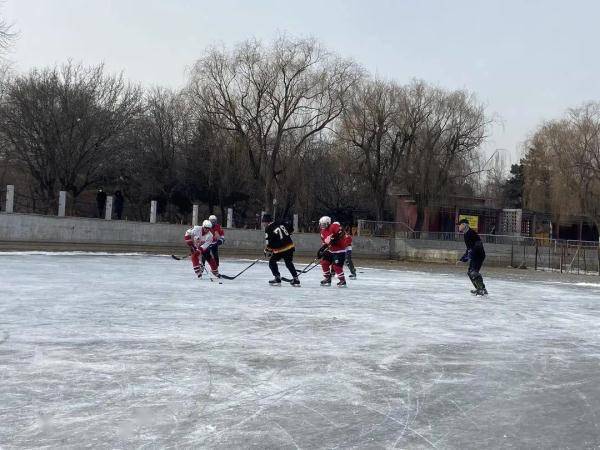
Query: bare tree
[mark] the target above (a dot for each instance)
(272, 98)
(7, 36)
(158, 137)
(63, 125)
(380, 126)
(562, 164)
(447, 147)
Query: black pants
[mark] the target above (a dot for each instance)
(477, 258)
(336, 259)
(349, 262)
(288, 259)
(213, 251)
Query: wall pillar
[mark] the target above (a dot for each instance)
(108, 210)
(229, 217)
(62, 203)
(195, 215)
(153, 208)
(10, 198)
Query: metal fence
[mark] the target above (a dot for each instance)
(557, 255)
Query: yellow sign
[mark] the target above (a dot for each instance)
(473, 221)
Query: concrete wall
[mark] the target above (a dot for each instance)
(449, 251)
(37, 232)
(50, 232)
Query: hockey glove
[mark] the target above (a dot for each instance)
(466, 257)
(268, 252)
(321, 251)
(220, 241)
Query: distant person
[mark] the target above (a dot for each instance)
(119, 200)
(492, 237)
(475, 255)
(349, 262)
(218, 239)
(101, 202)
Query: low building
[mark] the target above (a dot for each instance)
(487, 219)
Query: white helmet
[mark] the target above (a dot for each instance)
(324, 221)
(213, 219)
(207, 224)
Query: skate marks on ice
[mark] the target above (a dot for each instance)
(124, 351)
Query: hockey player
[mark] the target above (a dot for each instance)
(279, 245)
(349, 262)
(333, 251)
(218, 239)
(475, 255)
(199, 239)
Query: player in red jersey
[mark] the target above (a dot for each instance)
(333, 251)
(218, 239)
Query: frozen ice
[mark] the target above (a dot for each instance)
(121, 351)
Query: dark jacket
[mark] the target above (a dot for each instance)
(474, 245)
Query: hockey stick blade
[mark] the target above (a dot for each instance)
(227, 277)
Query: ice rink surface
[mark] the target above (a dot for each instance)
(132, 351)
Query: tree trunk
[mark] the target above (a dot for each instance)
(268, 199)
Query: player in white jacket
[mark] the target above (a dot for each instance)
(199, 238)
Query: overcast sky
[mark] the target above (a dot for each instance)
(526, 60)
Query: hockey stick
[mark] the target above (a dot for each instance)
(179, 258)
(227, 277)
(306, 271)
(312, 262)
(300, 272)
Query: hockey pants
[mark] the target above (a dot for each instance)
(335, 260)
(288, 259)
(199, 266)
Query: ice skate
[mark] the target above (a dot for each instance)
(326, 282)
(352, 276)
(295, 282)
(341, 283)
(275, 281)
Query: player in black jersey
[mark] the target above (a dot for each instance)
(279, 245)
(475, 255)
